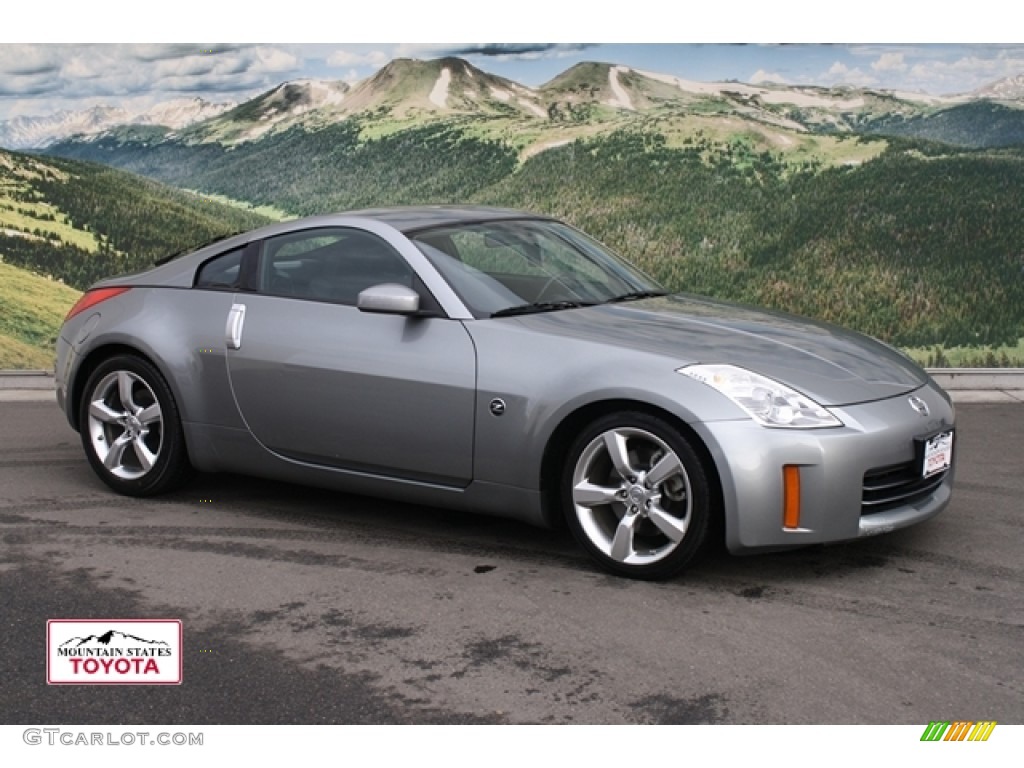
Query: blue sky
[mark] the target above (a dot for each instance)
(38, 79)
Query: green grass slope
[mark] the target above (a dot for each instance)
(33, 310)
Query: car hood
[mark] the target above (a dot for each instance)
(833, 365)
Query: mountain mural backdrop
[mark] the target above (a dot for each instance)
(892, 212)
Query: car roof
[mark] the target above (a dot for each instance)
(411, 218)
(179, 271)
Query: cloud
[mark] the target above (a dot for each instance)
(966, 73)
(939, 69)
(516, 49)
(766, 77)
(75, 72)
(345, 58)
(499, 50)
(161, 52)
(351, 77)
(26, 86)
(889, 62)
(28, 60)
(271, 59)
(841, 74)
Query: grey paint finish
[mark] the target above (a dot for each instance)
(333, 385)
(831, 364)
(545, 377)
(833, 463)
(180, 331)
(399, 406)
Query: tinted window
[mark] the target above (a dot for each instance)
(330, 265)
(222, 271)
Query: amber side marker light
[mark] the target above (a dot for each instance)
(92, 298)
(791, 496)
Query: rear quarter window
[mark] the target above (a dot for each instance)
(221, 272)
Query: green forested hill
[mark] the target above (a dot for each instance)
(921, 245)
(78, 221)
(326, 170)
(892, 214)
(976, 124)
(65, 224)
(912, 248)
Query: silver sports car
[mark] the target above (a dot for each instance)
(503, 363)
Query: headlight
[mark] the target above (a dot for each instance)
(768, 402)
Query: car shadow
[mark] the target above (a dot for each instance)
(491, 538)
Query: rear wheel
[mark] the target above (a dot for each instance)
(636, 496)
(131, 429)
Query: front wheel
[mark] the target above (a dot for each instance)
(130, 428)
(636, 496)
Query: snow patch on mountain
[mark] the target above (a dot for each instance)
(620, 97)
(1007, 89)
(536, 149)
(796, 97)
(439, 93)
(178, 113)
(532, 107)
(301, 96)
(325, 94)
(923, 98)
(37, 132)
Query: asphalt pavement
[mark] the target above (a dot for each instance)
(303, 606)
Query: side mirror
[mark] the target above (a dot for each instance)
(389, 299)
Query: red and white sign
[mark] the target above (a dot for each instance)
(113, 652)
(938, 454)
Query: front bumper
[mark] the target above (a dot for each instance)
(878, 437)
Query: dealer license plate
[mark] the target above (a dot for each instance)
(938, 454)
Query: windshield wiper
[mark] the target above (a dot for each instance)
(636, 295)
(540, 306)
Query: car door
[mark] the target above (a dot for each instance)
(319, 381)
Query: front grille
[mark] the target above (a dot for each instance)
(898, 485)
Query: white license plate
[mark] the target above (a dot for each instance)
(938, 454)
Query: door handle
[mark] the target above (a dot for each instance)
(233, 331)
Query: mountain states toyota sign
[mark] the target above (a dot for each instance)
(113, 652)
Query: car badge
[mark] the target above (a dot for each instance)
(919, 405)
(497, 406)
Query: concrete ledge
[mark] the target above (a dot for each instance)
(961, 396)
(27, 380)
(28, 396)
(979, 379)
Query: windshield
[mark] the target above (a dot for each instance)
(498, 266)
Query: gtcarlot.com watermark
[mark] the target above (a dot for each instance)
(68, 738)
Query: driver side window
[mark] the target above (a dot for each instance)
(331, 264)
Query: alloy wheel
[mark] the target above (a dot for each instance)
(126, 425)
(632, 496)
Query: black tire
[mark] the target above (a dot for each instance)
(131, 428)
(645, 513)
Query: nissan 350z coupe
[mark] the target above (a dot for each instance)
(503, 363)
